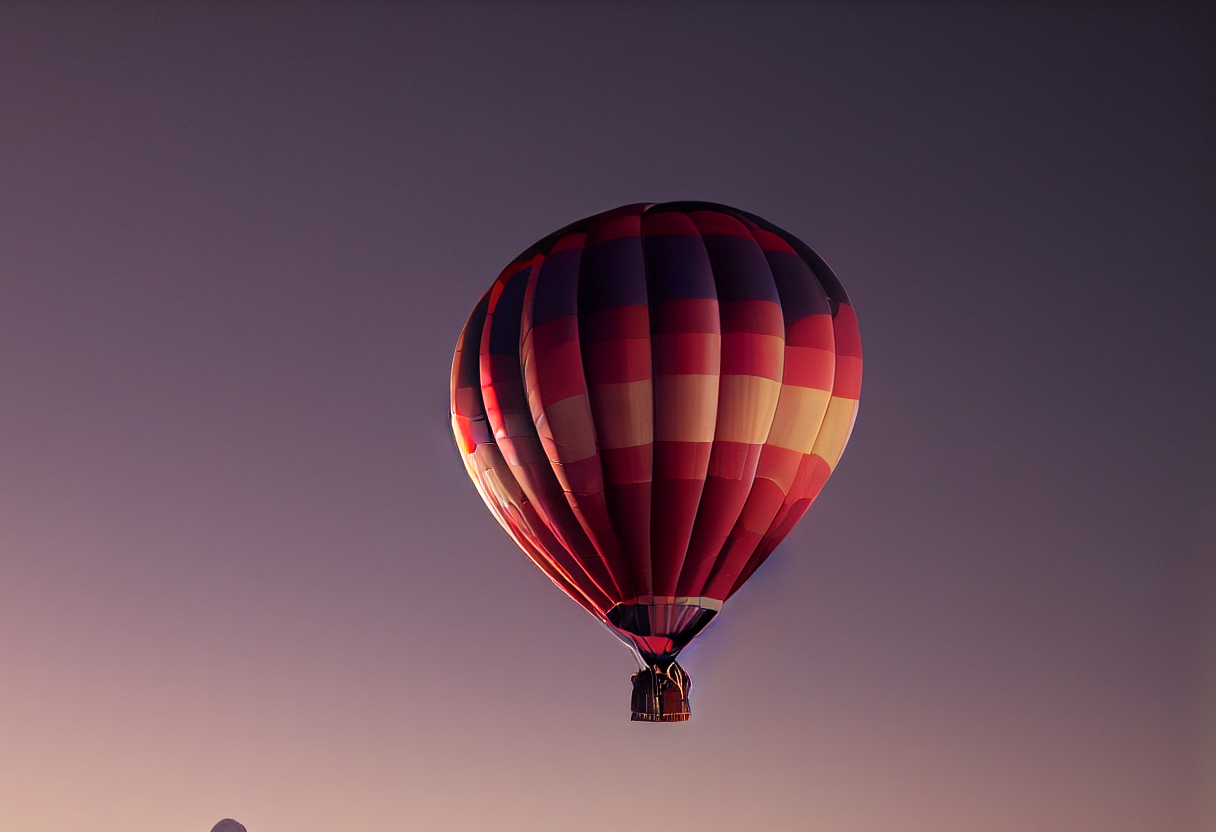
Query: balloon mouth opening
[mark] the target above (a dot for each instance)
(660, 694)
(658, 629)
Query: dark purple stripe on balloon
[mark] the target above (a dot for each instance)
(556, 291)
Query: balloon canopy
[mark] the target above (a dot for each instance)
(228, 825)
(648, 400)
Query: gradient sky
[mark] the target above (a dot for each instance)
(243, 573)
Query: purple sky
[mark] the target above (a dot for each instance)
(243, 573)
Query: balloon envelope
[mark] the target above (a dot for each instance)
(649, 399)
(228, 825)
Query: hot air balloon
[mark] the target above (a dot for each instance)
(228, 825)
(648, 400)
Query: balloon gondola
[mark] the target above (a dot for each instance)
(648, 400)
